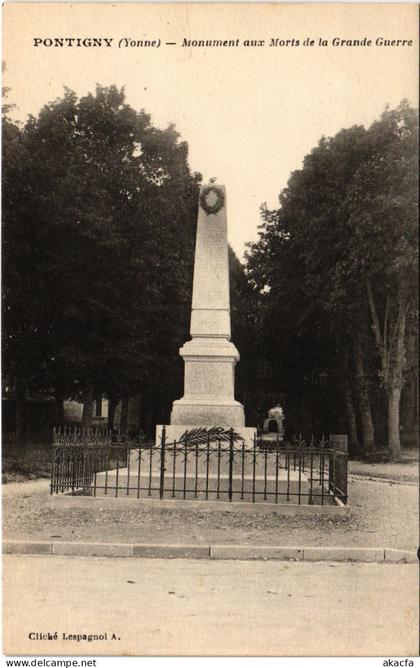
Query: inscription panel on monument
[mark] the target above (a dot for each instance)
(209, 379)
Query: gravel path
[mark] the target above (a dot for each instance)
(382, 514)
(405, 471)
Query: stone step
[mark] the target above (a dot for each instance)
(213, 488)
(243, 463)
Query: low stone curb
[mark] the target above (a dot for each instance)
(158, 506)
(391, 481)
(93, 549)
(241, 552)
(172, 551)
(26, 547)
(400, 555)
(257, 552)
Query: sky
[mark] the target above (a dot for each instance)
(249, 113)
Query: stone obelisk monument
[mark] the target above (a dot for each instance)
(210, 356)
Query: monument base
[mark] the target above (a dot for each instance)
(272, 437)
(214, 487)
(216, 413)
(175, 431)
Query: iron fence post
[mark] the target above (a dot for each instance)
(53, 472)
(162, 463)
(230, 463)
(185, 465)
(339, 465)
(254, 464)
(346, 464)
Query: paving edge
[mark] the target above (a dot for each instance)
(156, 505)
(392, 481)
(240, 552)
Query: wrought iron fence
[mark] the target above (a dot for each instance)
(100, 463)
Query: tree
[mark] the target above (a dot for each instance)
(245, 325)
(295, 265)
(24, 341)
(99, 252)
(339, 253)
(383, 217)
(6, 106)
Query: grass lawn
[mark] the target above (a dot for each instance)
(407, 470)
(28, 463)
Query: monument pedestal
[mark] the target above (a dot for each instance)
(209, 385)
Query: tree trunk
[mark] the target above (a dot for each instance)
(391, 347)
(112, 407)
(147, 420)
(395, 385)
(59, 407)
(87, 408)
(351, 421)
(20, 401)
(394, 442)
(368, 431)
(124, 415)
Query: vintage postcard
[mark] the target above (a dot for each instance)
(210, 352)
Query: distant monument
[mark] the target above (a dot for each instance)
(210, 356)
(274, 422)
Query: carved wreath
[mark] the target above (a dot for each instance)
(219, 203)
(204, 435)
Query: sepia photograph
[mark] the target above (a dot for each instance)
(210, 353)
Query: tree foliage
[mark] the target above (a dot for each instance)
(340, 253)
(99, 215)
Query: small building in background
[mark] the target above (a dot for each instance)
(274, 422)
(73, 411)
